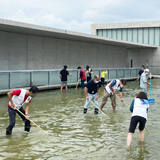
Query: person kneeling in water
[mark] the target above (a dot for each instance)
(139, 108)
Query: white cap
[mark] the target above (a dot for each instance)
(146, 70)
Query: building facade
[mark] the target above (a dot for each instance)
(145, 33)
(31, 47)
(141, 33)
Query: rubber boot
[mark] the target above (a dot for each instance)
(96, 111)
(8, 132)
(85, 111)
(27, 126)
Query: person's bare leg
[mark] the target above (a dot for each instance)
(66, 88)
(102, 105)
(129, 138)
(141, 134)
(114, 108)
(61, 88)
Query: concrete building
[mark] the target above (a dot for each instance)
(31, 47)
(141, 33)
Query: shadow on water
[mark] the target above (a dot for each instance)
(79, 136)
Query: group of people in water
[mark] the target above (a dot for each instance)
(139, 105)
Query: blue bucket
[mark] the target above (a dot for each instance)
(151, 100)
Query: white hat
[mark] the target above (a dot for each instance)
(146, 70)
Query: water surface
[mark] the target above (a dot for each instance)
(73, 135)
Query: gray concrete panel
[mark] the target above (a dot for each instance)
(4, 65)
(4, 38)
(15, 64)
(17, 40)
(84, 46)
(4, 52)
(74, 46)
(50, 43)
(35, 42)
(63, 45)
(36, 64)
(35, 54)
(17, 53)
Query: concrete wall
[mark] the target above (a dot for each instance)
(27, 52)
(145, 56)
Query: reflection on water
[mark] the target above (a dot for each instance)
(73, 135)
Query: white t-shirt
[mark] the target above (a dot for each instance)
(140, 108)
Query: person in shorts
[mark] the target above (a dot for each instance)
(63, 76)
(139, 108)
(109, 91)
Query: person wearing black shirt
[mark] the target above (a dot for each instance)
(88, 73)
(63, 76)
(92, 91)
(140, 72)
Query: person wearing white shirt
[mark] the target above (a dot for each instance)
(139, 108)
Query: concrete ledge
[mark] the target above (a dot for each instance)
(30, 29)
(55, 87)
(126, 25)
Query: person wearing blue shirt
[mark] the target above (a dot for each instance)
(109, 91)
(139, 108)
(140, 72)
(92, 91)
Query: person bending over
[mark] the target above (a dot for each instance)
(18, 98)
(139, 108)
(109, 91)
(92, 91)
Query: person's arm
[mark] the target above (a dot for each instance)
(81, 74)
(111, 85)
(112, 89)
(10, 98)
(132, 106)
(85, 91)
(68, 74)
(121, 95)
(27, 111)
(60, 76)
(148, 83)
(98, 93)
(138, 77)
(90, 71)
(145, 80)
(106, 74)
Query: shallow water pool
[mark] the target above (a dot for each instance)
(73, 135)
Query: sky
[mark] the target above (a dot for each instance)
(79, 15)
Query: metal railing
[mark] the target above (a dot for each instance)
(27, 78)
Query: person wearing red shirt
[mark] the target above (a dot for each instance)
(82, 76)
(16, 99)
